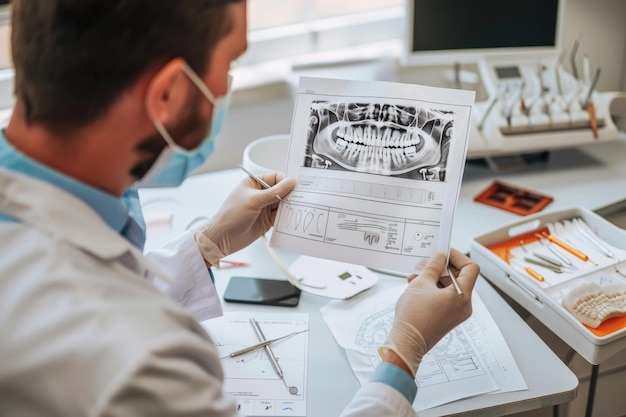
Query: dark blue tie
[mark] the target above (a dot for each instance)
(134, 233)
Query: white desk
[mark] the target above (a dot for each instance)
(591, 179)
(591, 176)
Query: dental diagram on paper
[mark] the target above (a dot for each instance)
(472, 359)
(378, 168)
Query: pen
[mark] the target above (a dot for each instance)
(534, 274)
(267, 348)
(233, 264)
(455, 283)
(565, 246)
(258, 180)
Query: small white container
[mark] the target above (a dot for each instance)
(267, 154)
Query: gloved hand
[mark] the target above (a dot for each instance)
(429, 308)
(246, 214)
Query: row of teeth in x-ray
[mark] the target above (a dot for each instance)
(381, 139)
(372, 136)
(386, 144)
(353, 151)
(404, 115)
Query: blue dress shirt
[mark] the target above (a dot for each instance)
(124, 215)
(121, 214)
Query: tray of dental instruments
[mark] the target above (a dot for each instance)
(568, 269)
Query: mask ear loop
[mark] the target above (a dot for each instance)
(200, 84)
(169, 140)
(205, 91)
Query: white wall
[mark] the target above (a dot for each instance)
(266, 110)
(600, 26)
(260, 111)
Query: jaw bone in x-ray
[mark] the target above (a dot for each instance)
(384, 139)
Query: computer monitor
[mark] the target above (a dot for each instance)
(448, 31)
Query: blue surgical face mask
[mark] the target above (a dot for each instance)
(175, 163)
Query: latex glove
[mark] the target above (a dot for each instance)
(246, 214)
(429, 308)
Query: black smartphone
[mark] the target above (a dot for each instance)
(266, 291)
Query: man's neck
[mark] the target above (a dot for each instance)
(78, 153)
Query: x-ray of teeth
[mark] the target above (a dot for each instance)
(378, 166)
(383, 139)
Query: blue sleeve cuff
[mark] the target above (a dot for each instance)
(397, 378)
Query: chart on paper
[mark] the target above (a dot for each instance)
(472, 359)
(250, 378)
(348, 228)
(378, 168)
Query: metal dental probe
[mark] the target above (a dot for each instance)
(557, 74)
(554, 251)
(592, 239)
(546, 258)
(260, 345)
(547, 265)
(591, 88)
(508, 111)
(255, 325)
(572, 59)
(586, 70)
(492, 102)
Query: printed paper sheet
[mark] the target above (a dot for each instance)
(250, 378)
(378, 168)
(473, 359)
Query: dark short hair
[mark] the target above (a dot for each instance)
(73, 58)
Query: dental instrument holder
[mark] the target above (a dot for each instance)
(550, 113)
(543, 300)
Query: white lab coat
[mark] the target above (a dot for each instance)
(85, 333)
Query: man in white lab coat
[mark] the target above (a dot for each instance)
(116, 94)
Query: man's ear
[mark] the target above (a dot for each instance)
(167, 92)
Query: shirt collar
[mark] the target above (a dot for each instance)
(110, 208)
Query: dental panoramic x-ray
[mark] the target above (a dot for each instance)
(379, 138)
(378, 168)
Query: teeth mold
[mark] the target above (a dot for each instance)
(591, 304)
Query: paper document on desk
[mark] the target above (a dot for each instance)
(250, 378)
(473, 359)
(378, 168)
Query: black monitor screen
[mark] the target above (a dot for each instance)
(440, 25)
